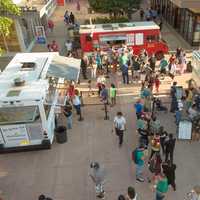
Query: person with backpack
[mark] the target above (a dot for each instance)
(119, 126)
(161, 186)
(138, 157)
(169, 148)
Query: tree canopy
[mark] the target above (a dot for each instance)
(7, 7)
(114, 6)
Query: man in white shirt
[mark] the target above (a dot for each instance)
(120, 126)
(68, 46)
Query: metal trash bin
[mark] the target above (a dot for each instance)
(61, 134)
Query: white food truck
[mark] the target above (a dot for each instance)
(29, 96)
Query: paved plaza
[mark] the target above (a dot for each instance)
(62, 172)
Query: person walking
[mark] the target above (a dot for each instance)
(169, 171)
(131, 194)
(120, 126)
(113, 94)
(139, 162)
(121, 197)
(161, 186)
(98, 177)
(169, 148)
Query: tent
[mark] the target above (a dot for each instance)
(64, 67)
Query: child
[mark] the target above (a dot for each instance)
(113, 93)
(157, 83)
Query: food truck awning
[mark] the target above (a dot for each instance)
(64, 67)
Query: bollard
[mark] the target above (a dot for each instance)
(106, 111)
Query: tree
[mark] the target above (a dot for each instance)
(7, 7)
(114, 7)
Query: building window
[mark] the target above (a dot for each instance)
(152, 38)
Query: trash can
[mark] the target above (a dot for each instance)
(61, 134)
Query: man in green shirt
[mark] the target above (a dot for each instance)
(161, 187)
(139, 163)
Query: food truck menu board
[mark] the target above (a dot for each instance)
(15, 134)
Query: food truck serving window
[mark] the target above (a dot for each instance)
(13, 115)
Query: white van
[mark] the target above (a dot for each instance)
(28, 98)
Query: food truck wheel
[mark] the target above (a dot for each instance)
(159, 55)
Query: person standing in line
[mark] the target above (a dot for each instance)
(161, 186)
(120, 126)
(131, 194)
(50, 25)
(139, 162)
(163, 136)
(104, 94)
(78, 6)
(124, 68)
(72, 18)
(77, 104)
(141, 14)
(98, 177)
(84, 63)
(68, 46)
(138, 108)
(174, 102)
(68, 115)
(155, 145)
(157, 83)
(169, 171)
(169, 148)
(93, 69)
(54, 46)
(113, 94)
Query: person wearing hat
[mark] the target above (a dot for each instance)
(98, 177)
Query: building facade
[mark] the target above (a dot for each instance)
(185, 20)
(23, 32)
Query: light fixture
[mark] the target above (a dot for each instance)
(16, 1)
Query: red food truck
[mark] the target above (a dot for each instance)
(138, 35)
